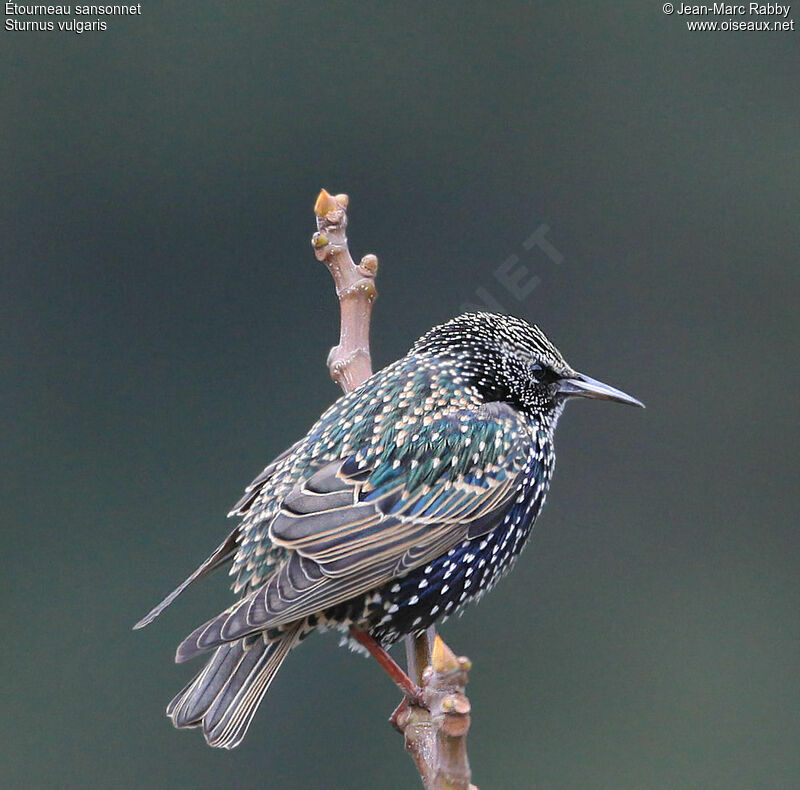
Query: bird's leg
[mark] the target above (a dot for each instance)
(411, 691)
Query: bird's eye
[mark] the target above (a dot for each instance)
(542, 373)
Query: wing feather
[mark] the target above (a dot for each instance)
(254, 489)
(347, 529)
(222, 554)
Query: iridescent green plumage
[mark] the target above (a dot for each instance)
(413, 421)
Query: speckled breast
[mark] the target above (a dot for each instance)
(434, 591)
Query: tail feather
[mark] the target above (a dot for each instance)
(188, 708)
(224, 697)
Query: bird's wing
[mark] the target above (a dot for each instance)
(222, 554)
(353, 525)
(254, 489)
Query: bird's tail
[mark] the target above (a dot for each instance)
(223, 698)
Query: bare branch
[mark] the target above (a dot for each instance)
(434, 732)
(349, 363)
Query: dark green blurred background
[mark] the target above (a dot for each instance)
(165, 326)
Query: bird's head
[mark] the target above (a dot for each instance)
(510, 360)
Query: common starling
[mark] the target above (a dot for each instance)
(409, 497)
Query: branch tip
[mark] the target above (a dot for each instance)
(326, 203)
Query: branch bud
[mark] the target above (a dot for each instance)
(443, 658)
(325, 203)
(370, 264)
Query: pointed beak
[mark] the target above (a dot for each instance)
(580, 386)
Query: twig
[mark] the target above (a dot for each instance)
(350, 362)
(435, 735)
